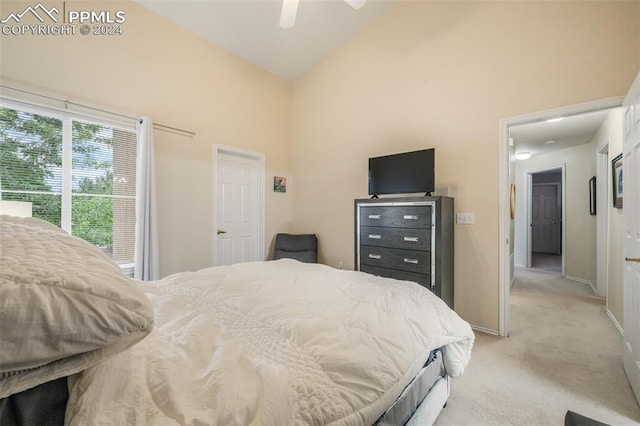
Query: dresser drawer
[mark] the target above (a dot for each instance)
(404, 260)
(398, 216)
(422, 279)
(402, 238)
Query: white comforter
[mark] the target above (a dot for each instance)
(272, 343)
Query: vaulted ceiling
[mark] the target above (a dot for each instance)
(250, 28)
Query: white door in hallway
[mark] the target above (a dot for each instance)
(237, 223)
(630, 187)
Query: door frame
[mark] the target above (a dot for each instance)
(602, 220)
(259, 158)
(529, 206)
(504, 184)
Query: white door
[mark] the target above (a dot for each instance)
(631, 245)
(237, 220)
(545, 218)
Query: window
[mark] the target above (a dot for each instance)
(78, 174)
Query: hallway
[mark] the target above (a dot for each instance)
(563, 354)
(546, 262)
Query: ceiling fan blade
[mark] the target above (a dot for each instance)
(288, 15)
(356, 4)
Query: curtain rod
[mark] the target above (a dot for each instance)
(67, 103)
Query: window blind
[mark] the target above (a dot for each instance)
(79, 174)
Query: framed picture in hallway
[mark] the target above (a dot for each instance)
(616, 170)
(592, 196)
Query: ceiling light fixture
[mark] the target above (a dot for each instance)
(524, 155)
(356, 4)
(553, 120)
(549, 142)
(290, 10)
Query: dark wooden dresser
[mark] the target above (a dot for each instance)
(408, 238)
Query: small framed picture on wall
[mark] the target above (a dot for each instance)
(279, 184)
(616, 170)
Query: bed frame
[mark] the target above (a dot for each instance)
(422, 400)
(430, 408)
(419, 404)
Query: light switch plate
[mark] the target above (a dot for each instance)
(465, 218)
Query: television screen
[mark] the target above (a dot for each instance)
(404, 173)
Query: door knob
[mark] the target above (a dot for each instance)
(632, 259)
(220, 231)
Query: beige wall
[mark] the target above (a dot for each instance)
(442, 74)
(580, 243)
(159, 69)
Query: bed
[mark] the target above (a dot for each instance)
(261, 343)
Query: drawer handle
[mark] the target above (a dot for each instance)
(412, 261)
(411, 239)
(375, 237)
(410, 217)
(375, 256)
(374, 216)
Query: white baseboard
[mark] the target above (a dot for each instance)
(615, 322)
(580, 280)
(583, 281)
(485, 330)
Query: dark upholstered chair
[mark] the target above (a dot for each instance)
(302, 247)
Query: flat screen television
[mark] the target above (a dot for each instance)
(404, 173)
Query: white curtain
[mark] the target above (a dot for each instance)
(146, 245)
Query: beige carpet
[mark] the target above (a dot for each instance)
(546, 262)
(563, 354)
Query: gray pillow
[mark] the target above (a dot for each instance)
(64, 305)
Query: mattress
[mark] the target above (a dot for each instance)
(415, 392)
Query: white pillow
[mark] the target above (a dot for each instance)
(64, 305)
(33, 222)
